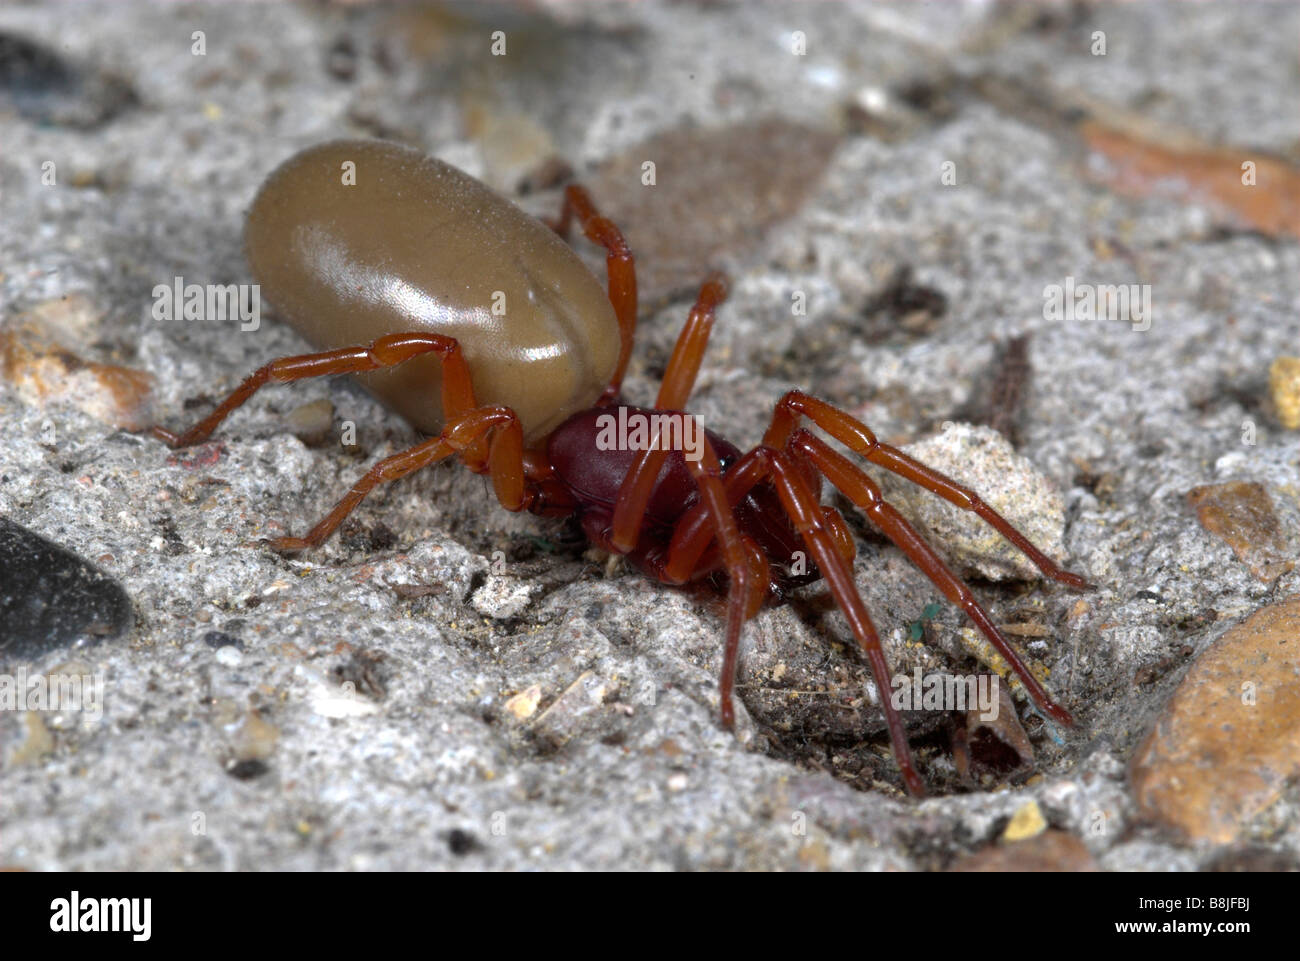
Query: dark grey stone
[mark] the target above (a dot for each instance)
(51, 598)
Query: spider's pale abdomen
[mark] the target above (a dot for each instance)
(355, 239)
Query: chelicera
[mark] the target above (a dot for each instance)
(483, 328)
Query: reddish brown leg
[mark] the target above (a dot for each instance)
(746, 566)
(620, 268)
(743, 560)
(389, 469)
(688, 352)
(457, 389)
(505, 459)
(860, 489)
(691, 538)
(824, 537)
(747, 571)
(692, 535)
(857, 437)
(553, 499)
(679, 378)
(805, 512)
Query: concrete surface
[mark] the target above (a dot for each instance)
(408, 698)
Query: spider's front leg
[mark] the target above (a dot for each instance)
(746, 565)
(826, 537)
(712, 519)
(863, 492)
(674, 392)
(859, 488)
(856, 436)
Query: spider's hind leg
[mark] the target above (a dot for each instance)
(620, 270)
(457, 390)
(803, 509)
(497, 425)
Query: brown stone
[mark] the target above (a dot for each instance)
(1229, 738)
(716, 192)
(38, 355)
(1049, 851)
(1242, 514)
(1144, 159)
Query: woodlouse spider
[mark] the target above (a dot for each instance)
(485, 330)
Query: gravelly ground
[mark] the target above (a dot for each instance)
(318, 712)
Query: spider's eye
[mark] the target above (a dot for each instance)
(725, 462)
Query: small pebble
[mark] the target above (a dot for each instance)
(38, 743)
(462, 843)
(329, 699)
(579, 703)
(1284, 385)
(229, 656)
(36, 356)
(983, 460)
(502, 598)
(48, 89)
(256, 738)
(313, 423)
(524, 704)
(1242, 515)
(219, 639)
(1026, 823)
(247, 770)
(50, 597)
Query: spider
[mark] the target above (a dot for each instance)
(483, 328)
